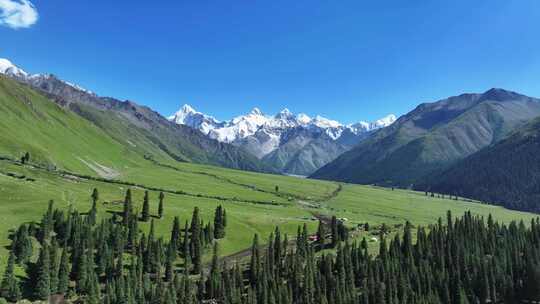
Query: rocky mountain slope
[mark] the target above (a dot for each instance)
(432, 137)
(135, 126)
(294, 144)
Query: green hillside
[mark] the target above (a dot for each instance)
(54, 136)
(432, 137)
(101, 137)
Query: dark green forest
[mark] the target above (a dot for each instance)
(465, 260)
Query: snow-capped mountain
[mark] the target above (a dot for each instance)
(265, 136)
(247, 125)
(189, 117)
(8, 68)
(139, 128)
(37, 80)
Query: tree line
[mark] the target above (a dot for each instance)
(454, 261)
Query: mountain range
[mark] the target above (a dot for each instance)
(137, 128)
(477, 145)
(293, 144)
(432, 138)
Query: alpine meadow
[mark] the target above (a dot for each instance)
(110, 200)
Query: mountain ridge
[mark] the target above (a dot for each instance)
(431, 137)
(137, 126)
(293, 143)
(506, 173)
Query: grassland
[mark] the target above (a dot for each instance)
(23, 200)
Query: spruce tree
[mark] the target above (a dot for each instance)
(320, 234)
(219, 223)
(63, 273)
(128, 208)
(196, 242)
(334, 231)
(186, 253)
(53, 257)
(146, 208)
(22, 245)
(160, 206)
(10, 286)
(93, 211)
(175, 232)
(43, 281)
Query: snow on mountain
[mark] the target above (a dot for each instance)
(10, 69)
(188, 116)
(383, 122)
(256, 123)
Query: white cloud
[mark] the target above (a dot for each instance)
(17, 13)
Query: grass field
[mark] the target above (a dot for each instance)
(299, 199)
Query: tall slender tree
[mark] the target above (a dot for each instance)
(160, 206)
(128, 208)
(146, 208)
(10, 286)
(43, 281)
(196, 242)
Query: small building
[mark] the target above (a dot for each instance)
(313, 238)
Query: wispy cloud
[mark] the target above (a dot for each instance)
(17, 13)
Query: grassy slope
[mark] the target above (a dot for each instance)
(54, 135)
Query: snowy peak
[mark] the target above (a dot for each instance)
(325, 123)
(9, 69)
(378, 124)
(256, 111)
(188, 116)
(384, 122)
(255, 122)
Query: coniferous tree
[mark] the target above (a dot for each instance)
(53, 257)
(43, 280)
(146, 208)
(63, 273)
(128, 208)
(461, 260)
(22, 245)
(320, 234)
(186, 252)
(219, 223)
(215, 275)
(82, 273)
(25, 158)
(196, 242)
(160, 206)
(92, 214)
(532, 283)
(175, 232)
(10, 286)
(334, 231)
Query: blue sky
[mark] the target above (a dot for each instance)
(348, 60)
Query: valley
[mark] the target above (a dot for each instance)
(122, 172)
